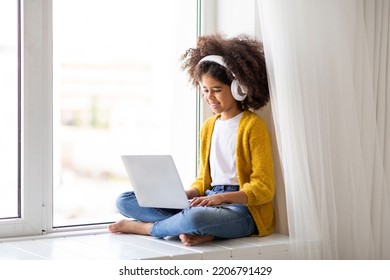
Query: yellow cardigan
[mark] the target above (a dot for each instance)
(254, 167)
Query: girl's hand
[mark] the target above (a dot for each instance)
(211, 200)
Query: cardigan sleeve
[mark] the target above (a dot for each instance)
(254, 162)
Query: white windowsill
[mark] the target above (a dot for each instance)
(100, 244)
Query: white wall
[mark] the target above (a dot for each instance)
(234, 17)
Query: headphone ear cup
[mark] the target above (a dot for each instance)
(239, 92)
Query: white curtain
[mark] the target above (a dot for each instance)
(329, 69)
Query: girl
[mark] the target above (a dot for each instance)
(233, 193)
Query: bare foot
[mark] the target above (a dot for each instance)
(190, 240)
(129, 226)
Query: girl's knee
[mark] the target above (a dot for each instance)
(195, 217)
(124, 200)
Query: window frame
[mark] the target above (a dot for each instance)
(35, 120)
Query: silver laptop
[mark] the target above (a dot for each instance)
(155, 181)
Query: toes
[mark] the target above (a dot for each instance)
(116, 227)
(190, 240)
(184, 239)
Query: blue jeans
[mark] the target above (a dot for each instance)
(223, 221)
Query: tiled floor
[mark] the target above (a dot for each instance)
(126, 247)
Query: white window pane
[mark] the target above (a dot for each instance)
(118, 89)
(8, 109)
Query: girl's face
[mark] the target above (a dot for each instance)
(219, 97)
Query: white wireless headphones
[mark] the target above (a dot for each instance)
(239, 92)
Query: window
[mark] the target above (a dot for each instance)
(98, 79)
(117, 90)
(9, 110)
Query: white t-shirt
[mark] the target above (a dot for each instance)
(223, 152)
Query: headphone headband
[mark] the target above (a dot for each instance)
(214, 58)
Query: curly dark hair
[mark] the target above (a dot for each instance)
(243, 55)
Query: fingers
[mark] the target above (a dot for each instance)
(195, 201)
(204, 201)
(198, 201)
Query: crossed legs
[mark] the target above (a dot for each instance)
(193, 225)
